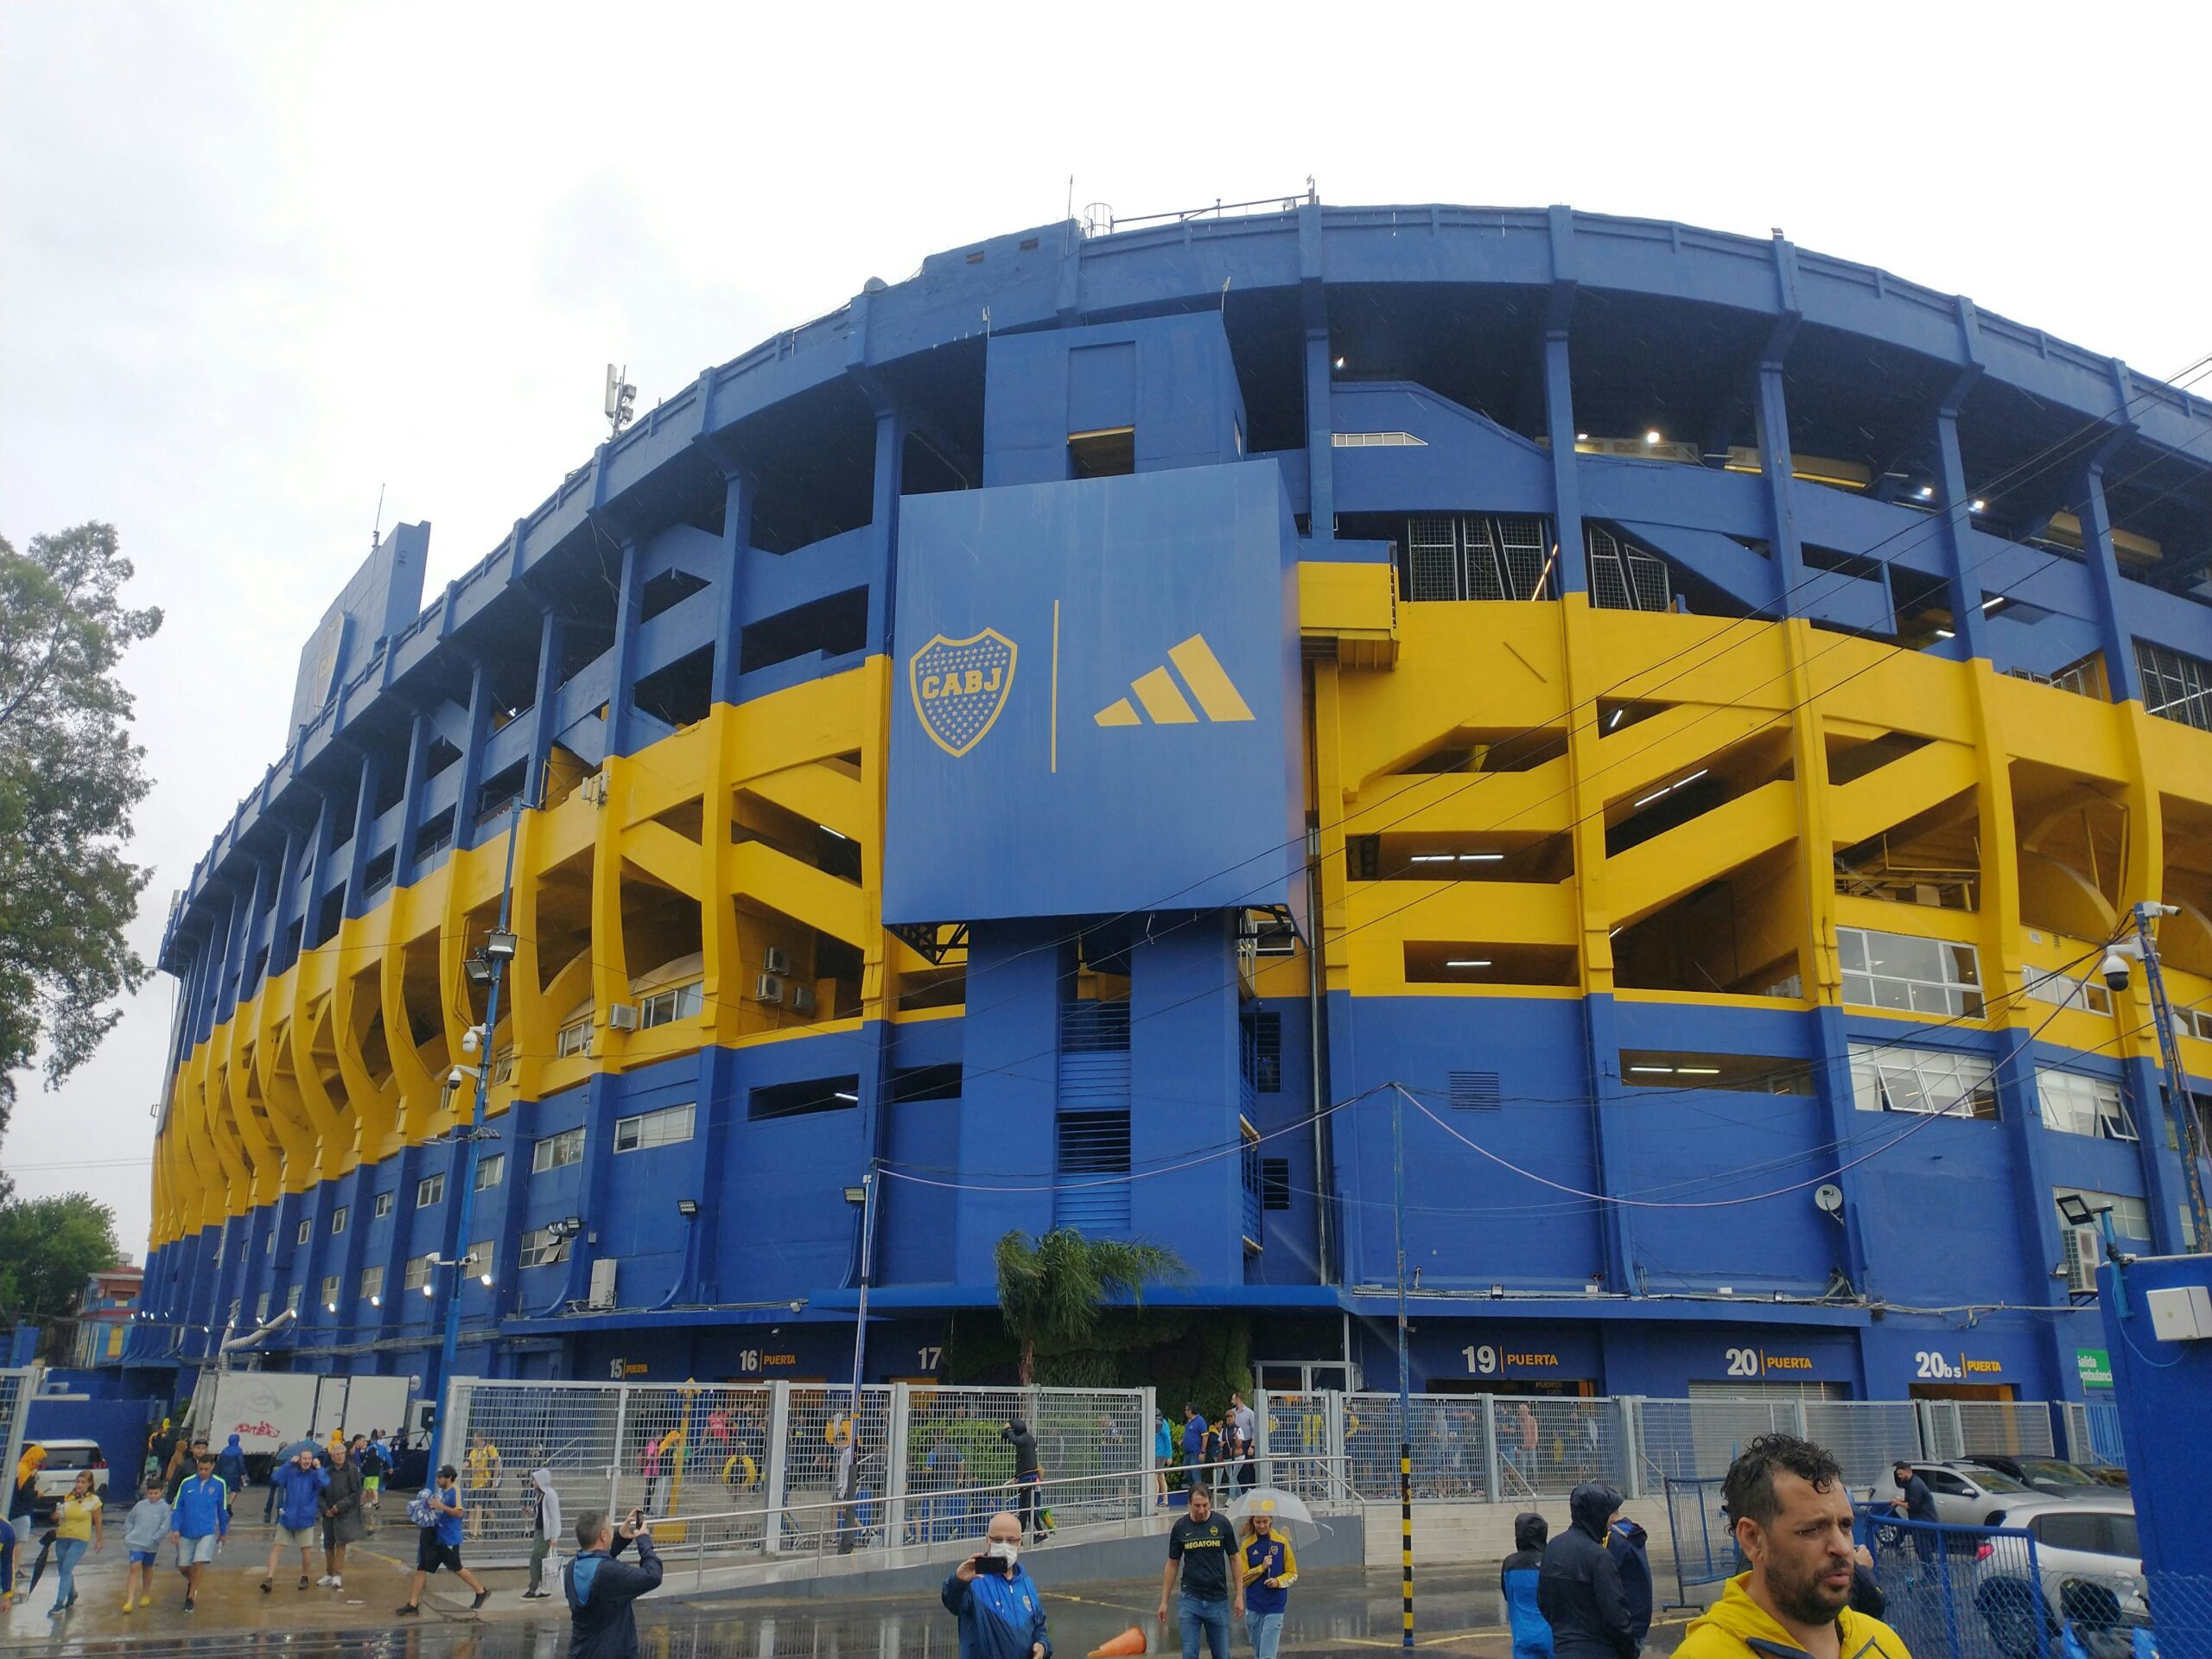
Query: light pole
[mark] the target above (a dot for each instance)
(2177, 1093)
(499, 950)
(1405, 1373)
(864, 1196)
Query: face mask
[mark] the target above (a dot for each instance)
(1002, 1551)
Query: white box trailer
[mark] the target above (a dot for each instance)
(269, 1410)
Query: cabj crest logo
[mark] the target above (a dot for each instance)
(959, 687)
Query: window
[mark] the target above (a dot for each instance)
(1091, 1163)
(2074, 1104)
(1750, 1074)
(338, 1219)
(261, 1308)
(677, 1002)
(418, 1272)
(383, 1207)
(2176, 686)
(2200, 1021)
(1928, 1080)
(304, 1231)
(2072, 1529)
(574, 1038)
(558, 1151)
(796, 1099)
(2131, 1217)
(665, 1128)
(1474, 1091)
(490, 1171)
(1111, 452)
(431, 1190)
(543, 1247)
(1623, 577)
(1375, 441)
(1275, 1183)
(329, 1289)
(2063, 990)
(913, 1082)
(234, 1314)
(372, 1284)
(292, 1299)
(1913, 974)
(483, 1258)
(1478, 558)
(268, 1242)
(1264, 1036)
(503, 1067)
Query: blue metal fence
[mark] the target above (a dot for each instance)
(1705, 1550)
(1962, 1592)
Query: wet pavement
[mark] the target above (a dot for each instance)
(1342, 1611)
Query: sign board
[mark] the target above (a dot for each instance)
(2096, 1365)
(1096, 704)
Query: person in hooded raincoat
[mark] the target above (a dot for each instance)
(544, 1528)
(230, 1469)
(1630, 1547)
(1579, 1584)
(27, 1467)
(1028, 1474)
(1516, 1583)
(1793, 1520)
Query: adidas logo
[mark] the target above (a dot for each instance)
(1162, 698)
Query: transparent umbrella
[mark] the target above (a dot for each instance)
(1288, 1512)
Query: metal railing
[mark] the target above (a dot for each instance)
(913, 1527)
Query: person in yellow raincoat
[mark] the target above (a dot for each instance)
(27, 1468)
(1793, 1520)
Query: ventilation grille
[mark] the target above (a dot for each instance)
(1474, 1091)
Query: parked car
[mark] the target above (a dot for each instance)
(2091, 1560)
(2054, 1476)
(1965, 1497)
(65, 1461)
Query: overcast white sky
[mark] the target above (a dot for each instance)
(259, 260)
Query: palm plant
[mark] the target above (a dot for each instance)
(1052, 1290)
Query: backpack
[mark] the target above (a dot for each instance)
(419, 1510)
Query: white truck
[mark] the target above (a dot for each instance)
(269, 1410)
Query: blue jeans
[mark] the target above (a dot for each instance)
(1265, 1630)
(1210, 1617)
(66, 1552)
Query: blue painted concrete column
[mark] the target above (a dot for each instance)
(1968, 621)
(740, 492)
(1559, 406)
(2165, 1182)
(365, 807)
(1320, 418)
(471, 756)
(1010, 1086)
(883, 526)
(1778, 474)
(542, 710)
(2121, 674)
(410, 799)
(299, 840)
(623, 681)
(1839, 1108)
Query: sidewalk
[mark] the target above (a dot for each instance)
(377, 1572)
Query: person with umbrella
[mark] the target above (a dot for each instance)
(1270, 1568)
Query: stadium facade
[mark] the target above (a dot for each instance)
(1126, 730)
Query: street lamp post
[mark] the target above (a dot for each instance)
(499, 949)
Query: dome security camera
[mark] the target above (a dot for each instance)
(468, 1041)
(2115, 970)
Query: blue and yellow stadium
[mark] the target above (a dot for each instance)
(1640, 736)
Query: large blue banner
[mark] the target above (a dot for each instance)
(1097, 702)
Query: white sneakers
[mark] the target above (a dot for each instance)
(327, 1582)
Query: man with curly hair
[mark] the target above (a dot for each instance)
(1793, 1522)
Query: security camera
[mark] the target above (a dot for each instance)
(468, 1041)
(458, 1077)
(2115, 970)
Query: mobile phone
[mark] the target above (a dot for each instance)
(637, 1519)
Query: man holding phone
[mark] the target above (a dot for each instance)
(1001, 1610)
(600, 1588)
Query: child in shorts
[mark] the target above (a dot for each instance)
(144, 1529)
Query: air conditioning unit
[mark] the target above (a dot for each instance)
(621, 1016)
(2085, 1254)
(767, 988)
(776, 960)
(802, 999)
(602, 1282)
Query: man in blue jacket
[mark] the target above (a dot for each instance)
(600, 1588)
(1001, 1610)
(199, 1522)
(299, 1486)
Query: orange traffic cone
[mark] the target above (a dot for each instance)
(1129, 1641)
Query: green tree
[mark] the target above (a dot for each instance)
(48, 1248)
(1052, 1290)
(69, 777)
